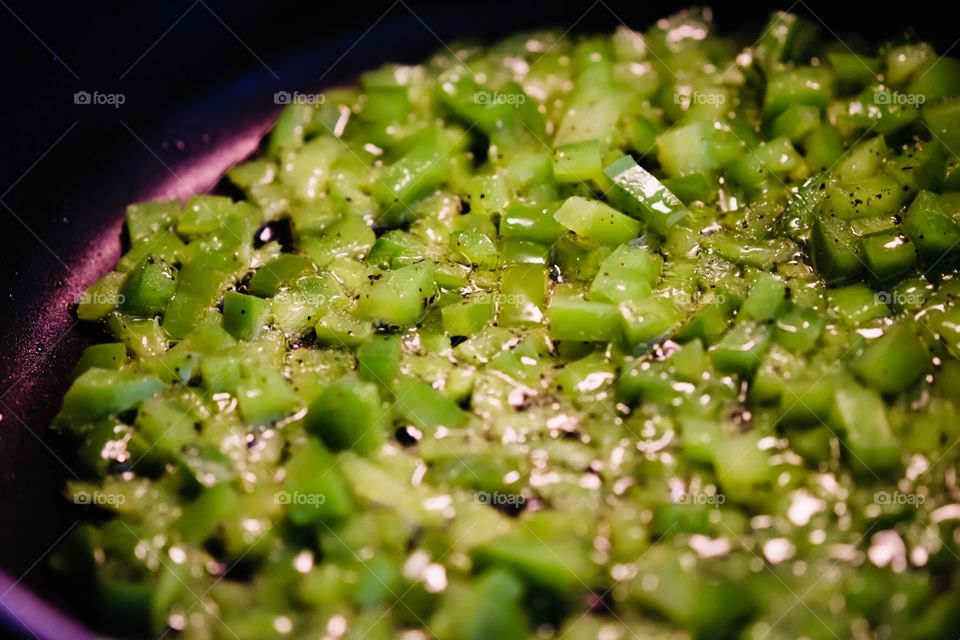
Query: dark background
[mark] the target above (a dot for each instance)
(198, 80)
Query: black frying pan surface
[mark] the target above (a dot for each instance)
(198, 80)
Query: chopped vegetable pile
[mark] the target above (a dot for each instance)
(647, 335)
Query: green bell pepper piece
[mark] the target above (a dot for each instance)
(203, 214)
(395, 249)
(398, 298)
(741, 349)
(521, 221)
(894, 361)
(98, 393)
(596, 221)
(834, 250)
(795, 122)
(426, 407)
(197, 291)
(860, 417)
(271, 277)
(147, 220)
(628, 273)
(339, 328)
(768, 297)
(349, 414)
(378, 360)
(101, 298)
(929, 224)
(856, 304)
(943, 119)
(648, 319)
(698, 147)
(469, 316)
(418, 173)
(578, 162)
(210, 509)
(474, 248)
(693, 187)
(582, 321)
(264, 396)
(313, 490)
(147, 289)
(774, 158)
(489, 608)
(799, 329)
(110, 355)
(888, 255)
(244, 316)
(799, 85)
(522, 298)
(652, 201)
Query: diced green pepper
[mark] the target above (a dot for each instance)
(522, 298)
(147, 289)
(934, 232)
(799, 329)
(577, 162)
(699, 147)
(888, 255)
(647, 319)
(378, 360)
(197, 291)
(740, 350)
(426, 407)
(101, 298)
(582, 321)
(856, 304)
(767, 298)
(861, 419)
(894, 362)
(349, 415)
(475, 248)
(834, 250)
(400, 297)
(656, 204)
(596, 221)
(467, 317)
(796, 122)
(313, 490)
(97, 393)
(800, 85)
(243, 315)
(269, 278)
(774, 158)
(265, 396)
(395, 249)
(628, 273)
(110, 355)
(490, 608)
(530, 222)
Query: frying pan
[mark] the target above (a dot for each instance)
(198, 81)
